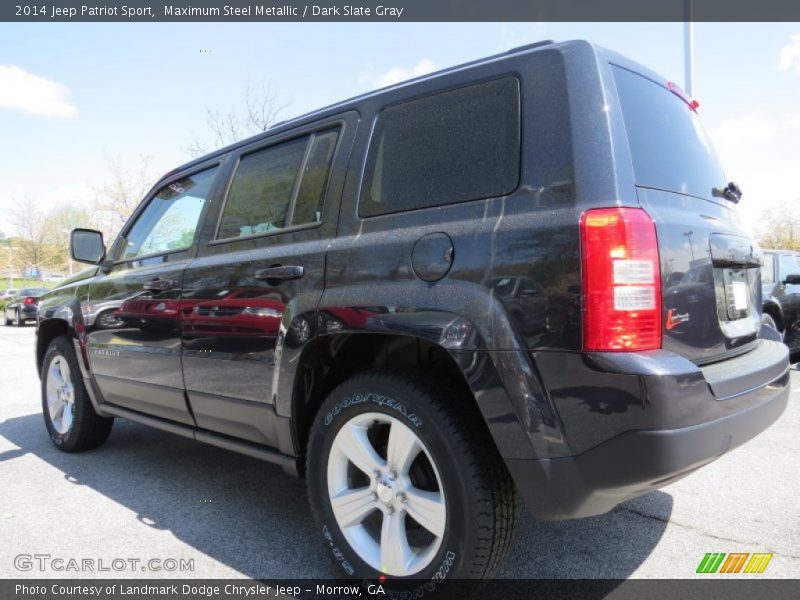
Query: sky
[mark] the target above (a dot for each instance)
(74, 96)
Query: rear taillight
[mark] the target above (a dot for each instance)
(29, 301)
(621, 280)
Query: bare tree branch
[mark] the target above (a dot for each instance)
(261, 110)
(780, 227)
(31, 226)
(120, 194)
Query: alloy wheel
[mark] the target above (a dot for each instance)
(386, 494)
(60, 395)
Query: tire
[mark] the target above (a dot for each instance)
(299, 332)
(6, 320)
(69, 416)
(17, 321)
(466, 490)
(769, 321)
(107, 320)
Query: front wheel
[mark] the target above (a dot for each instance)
(406, 485)
(69, 416)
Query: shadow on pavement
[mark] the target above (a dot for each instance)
(255, 519)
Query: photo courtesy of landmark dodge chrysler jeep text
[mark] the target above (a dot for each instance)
(522, 274)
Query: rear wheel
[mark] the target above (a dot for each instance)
(18, 322)
(70, 418)
(406, 485)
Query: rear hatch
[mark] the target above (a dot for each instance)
(711, 296)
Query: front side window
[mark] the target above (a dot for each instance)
(278, 187)
(451, 147)
(170, 220)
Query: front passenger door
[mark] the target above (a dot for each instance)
(133, 335)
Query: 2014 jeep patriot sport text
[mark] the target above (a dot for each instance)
(523, 274)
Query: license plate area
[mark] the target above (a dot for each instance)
(737, 293)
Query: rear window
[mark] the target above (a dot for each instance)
(670, 149)
(32, 292)
(451, 147)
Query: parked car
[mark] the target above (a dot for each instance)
(23, 306)
(780, 285)
(8, 294)
(53, 277)
(408, 229)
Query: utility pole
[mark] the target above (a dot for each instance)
(69, 255)
(688, 47)
(10, 249)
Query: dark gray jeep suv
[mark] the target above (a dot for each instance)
(522, 274)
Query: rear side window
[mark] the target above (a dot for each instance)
(452, 147)
(670, 149)
(278, 187)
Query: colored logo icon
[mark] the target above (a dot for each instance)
(734, 562)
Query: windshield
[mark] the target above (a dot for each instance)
(670, 149)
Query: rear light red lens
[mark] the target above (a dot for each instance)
(29, 301)
(621, 280)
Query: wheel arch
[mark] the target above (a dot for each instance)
(47, 331)
(329, 360)
(773, 309)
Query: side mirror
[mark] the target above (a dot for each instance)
(86, 245)
(793, 279)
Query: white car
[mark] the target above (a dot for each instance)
(8, 294)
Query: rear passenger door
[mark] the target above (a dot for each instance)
(251, 294)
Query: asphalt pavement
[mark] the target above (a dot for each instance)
(157, 501)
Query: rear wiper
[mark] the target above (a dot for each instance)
(729, 192)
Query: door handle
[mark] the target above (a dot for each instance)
(280, 273)
(159, 285)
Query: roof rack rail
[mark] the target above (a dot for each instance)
(530, 46)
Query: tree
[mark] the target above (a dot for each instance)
(780, 227)
(59, 223)
(120, 194)
(261, 110)
(32, 232)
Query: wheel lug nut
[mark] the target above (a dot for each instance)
(402, 497)
(374, 496)
(393, 474)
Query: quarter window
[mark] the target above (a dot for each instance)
(451, 147)
(278, 187)
(170, 220)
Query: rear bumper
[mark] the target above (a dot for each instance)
(741, 399)
(28, 313)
